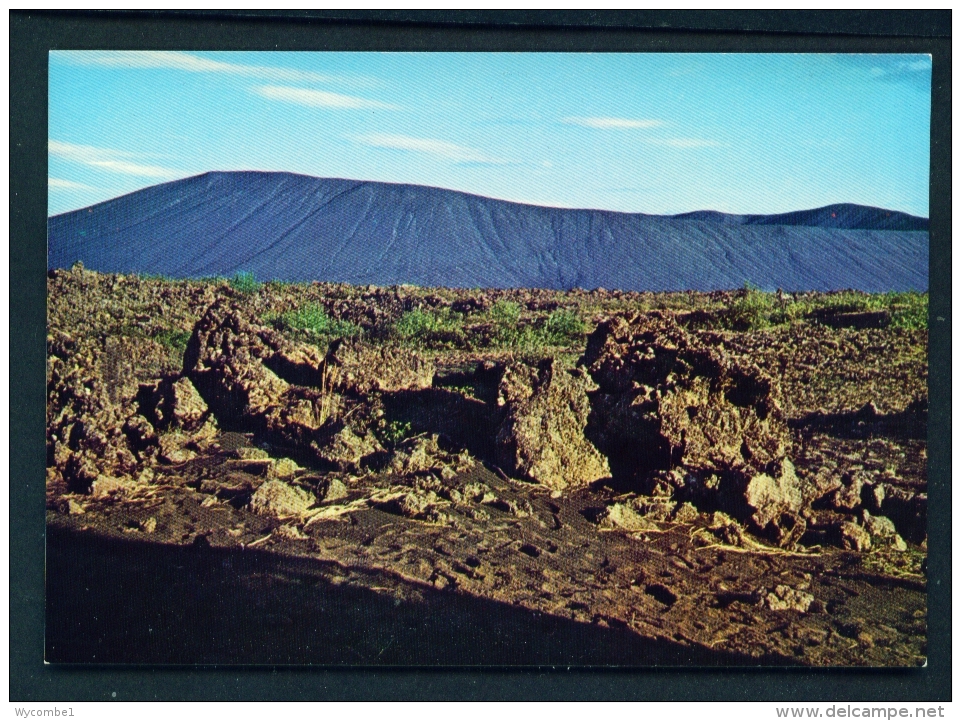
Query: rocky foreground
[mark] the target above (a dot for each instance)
(661, 489)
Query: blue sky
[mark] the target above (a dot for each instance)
(654, 133)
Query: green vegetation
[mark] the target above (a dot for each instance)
(561, 328)
(564, 327)
(505, 313)
(244, 282)
(174, 339)
(312, 322)
(751, 311)
(156, 276)
(755, 309)
(432, 328)
(909, 310)
(393, 432)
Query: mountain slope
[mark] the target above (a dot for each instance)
(294, 227)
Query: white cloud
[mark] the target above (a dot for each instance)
(170, 60)
(113, 161)
(601, 123)
(320, 98)
(61, 184)
(430, 146)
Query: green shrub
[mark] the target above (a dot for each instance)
(505, 312)
(564, 327)
(909, 310)
(418, 323)
(432, 328)
(756, 309)
(244, 282)
(312, 321)
(392, 433)
(277, 284)
(174, 339)
(752, 310)
(560, 328)
(519, 337)
(155, 276)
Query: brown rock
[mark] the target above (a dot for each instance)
(172, 403)
(344, 448)
(872, 496)
(335, 490)
(854, 537)
(820, 483)
(187, 409)
(105, 486)
(685, 513)
(248, 453)
(848, 496)
(668, 398)
(908, 510)
(173, 448)
(283, 468)
(225, 360)
(418, 505)
(422, 454)
(140, 432)
(622, 516)
(279, 499)
(358, 367)
(785, 598)
(235, 364)
(769, 497)
(72, 507)
(883, 532)
(80, 471)
(542, 435)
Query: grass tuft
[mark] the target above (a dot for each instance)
(244, 282)
(313, 323)
(174, 339)
(431, 328)
(755, 309)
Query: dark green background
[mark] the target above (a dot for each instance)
(32, 34)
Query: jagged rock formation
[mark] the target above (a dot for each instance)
(542, 434)
(669, 400)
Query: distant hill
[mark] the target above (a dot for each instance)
(295, 227)
(844, 216)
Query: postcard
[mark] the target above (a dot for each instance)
(487, 359)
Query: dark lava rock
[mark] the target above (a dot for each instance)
(689, 404)
(140, 432)
(344, 448)
(358, 367)
(173, 402)
(276, 498)
(542, 434)
(848, 496)
(85, 415)
(854, 537)
(669, 399)
(908, 510)
(234, 364)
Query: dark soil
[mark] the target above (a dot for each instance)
(257, 494)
